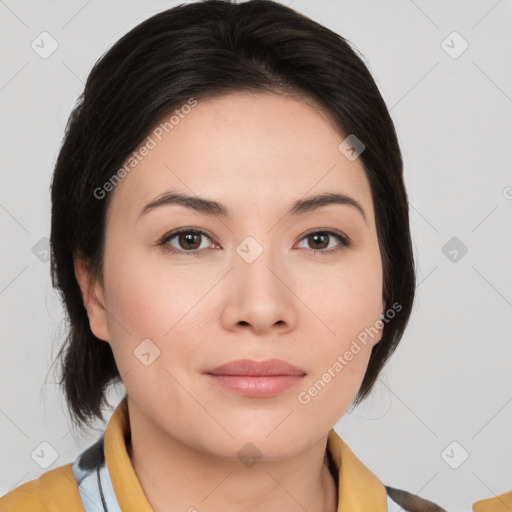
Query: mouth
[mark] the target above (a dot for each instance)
(261, 379)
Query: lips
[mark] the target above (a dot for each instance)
(249, 367)
(256, 379)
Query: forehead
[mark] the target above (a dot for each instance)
(249, 151)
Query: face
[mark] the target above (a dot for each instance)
(259, 282)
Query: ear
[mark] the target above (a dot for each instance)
(378, 337)
(94, 300)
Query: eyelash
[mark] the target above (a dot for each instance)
(344, 241)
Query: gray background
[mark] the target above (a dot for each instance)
(450, 379)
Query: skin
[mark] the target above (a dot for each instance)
(256, 153)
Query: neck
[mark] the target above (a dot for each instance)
(176, 476)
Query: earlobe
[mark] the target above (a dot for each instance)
(379, 324)
(93, 299)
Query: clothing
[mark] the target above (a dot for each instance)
(102, 479)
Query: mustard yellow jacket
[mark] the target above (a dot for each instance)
(102, 478)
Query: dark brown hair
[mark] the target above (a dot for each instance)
(203, 50)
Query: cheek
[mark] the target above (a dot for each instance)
(349, 298)
(347, 307)
(154, 301)
(136, 294)
(149, 302)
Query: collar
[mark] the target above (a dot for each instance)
(112, 484)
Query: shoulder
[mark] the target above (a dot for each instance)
(53, 490)
(501, 503)
(403, 500)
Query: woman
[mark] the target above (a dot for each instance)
(230, 236)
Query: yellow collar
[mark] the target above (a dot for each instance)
(359, 490)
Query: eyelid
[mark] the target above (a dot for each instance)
(171, 234)
(344, 240)
(328, 231)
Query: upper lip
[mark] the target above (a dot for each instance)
(251, 367)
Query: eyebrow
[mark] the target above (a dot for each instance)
(209, 207)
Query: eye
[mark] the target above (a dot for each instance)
(188, 240)
(319, 240)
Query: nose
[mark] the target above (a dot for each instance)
(257, 293)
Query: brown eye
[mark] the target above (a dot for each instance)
(189, 240)
(321, 241)
(318, 240)
(186, 241)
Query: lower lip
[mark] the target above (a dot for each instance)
(247, 385)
